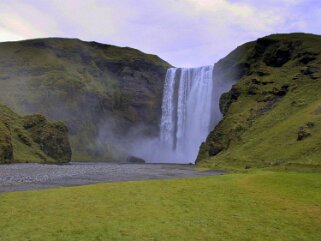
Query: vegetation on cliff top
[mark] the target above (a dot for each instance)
(94, 88)
(272, 114)
(32, 139)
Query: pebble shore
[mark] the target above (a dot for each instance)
(18, 177)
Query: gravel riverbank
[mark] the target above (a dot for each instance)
(19, 177)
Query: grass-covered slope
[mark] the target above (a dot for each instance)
(272, 115)
(254, 206)
(32, 139)
(95, 88)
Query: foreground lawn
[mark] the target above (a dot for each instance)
(255, 206)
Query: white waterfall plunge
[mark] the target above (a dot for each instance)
(190, 109)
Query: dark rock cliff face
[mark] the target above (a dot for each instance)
(277, 85)
(52, 137)
(101, 92)
(32, 139)
(6, 149)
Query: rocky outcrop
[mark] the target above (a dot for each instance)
(102, 92)
(277, 84)
(6, 149)
(135, 160)
(32, 139)
(304, 132)
(52, 137)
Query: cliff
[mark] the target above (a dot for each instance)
(102, 92)
(32, 139)
(272, 114)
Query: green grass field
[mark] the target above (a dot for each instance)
(260, 205)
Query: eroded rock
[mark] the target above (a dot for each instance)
(6, 148)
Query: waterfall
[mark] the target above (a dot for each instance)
(189, 112)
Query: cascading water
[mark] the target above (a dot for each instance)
(189, 112)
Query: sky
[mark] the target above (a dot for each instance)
(186, 33)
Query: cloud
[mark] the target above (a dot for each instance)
(184, 32)
(8, 35)
(90, 19)
(24, 20)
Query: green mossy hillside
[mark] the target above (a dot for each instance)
(272, 115)
(32, 139)
(94, 88)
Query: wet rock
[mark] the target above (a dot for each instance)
(215, 143)
(134, 159)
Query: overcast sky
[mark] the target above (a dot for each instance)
(183, 32)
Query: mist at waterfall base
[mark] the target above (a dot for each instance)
(190, 110)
